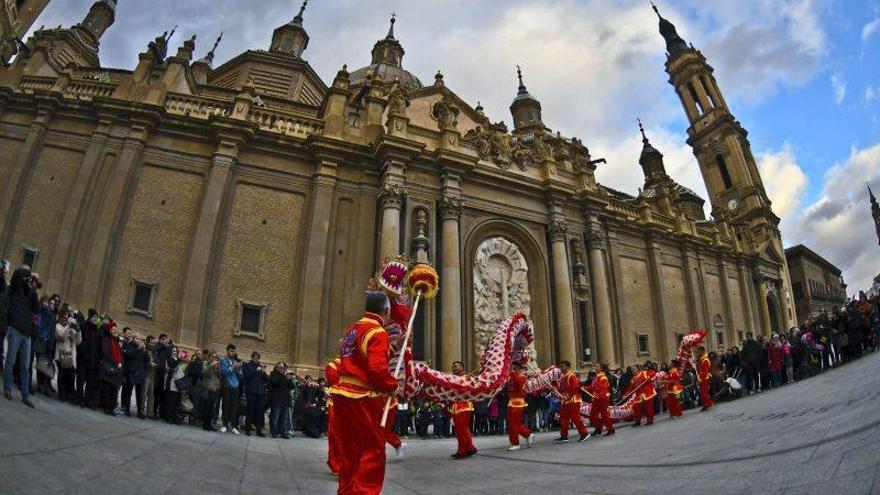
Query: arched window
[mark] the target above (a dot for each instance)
(695, 98)
(725, 174)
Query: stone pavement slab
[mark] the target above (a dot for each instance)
(821, 435)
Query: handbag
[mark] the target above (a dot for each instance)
(186, 405)
(183, 384)
(45, 366)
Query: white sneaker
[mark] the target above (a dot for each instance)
(401, 451)
(531, 440)
(235, 432)
(513, 447)
(222, 429)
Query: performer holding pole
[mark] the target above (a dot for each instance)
(600, 415)
(673, 391)
(462, 412)
(570, 409)
(516, 406)
(704, 375)
(644, 403)
(364, 381)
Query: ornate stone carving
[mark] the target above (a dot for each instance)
(398, 100)
(558, 230)
(420, 243)
(450, 207)
(561, 148)
(446, 114)
(578, 263)
(501, 288)
(392, 195)
(541, 150)
(596, 237)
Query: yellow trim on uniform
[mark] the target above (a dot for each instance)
(367, 338)
(467, 408)
(516, 402)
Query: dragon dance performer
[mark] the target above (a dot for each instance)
(643, 383)
(359, 399)
(391, 280)
(462, 411)
(673, 391)
(516, 406)
(704, 375)
(570, 409)
(600, 415)
(331, 373)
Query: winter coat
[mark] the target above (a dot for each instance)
(135, 363)
(67, 338)
(776, 358)
(111, 357)
(44, 339)
(254, 378)
(210, 378)
(174, 370)
(89, 351)
(22, 304)
(751, 353)
(279, 389)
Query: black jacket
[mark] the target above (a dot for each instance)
(22, 304)
(254, 381)
(89, 351)
(135, 363)
(279, 389)
(751, 353)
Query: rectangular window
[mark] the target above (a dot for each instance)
(29, 256)
(798, 289)
(142, 297)
(719, 337)
(251, 319)
(642, 340)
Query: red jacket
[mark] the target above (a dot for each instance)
(516, 390)
(673, 382)
(704, 369)
(600, 388)
(646, 391)
(363, 360)
(570, 388)
(776, 358)
(331, 372)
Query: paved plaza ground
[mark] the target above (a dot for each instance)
(819, 436)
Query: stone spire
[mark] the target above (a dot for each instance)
(209, 58)
(390, 35)
(291, 38)
(875, 212)
(99, 19)
(201, 67)
(674, 42)
(651, 159)
(388, 51)
(525, 109)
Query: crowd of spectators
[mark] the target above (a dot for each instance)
(49, 344)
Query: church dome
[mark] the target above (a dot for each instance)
(386, 64)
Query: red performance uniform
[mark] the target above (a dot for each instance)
(516, 406)
(570, 409)
(400, 313)
(331, 373)
(358, 399)
(462, 412)
(644, 396)
(673, 391)
(704, 373)
(600, 389)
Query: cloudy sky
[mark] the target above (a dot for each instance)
(803, 76)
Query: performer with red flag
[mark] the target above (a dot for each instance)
(643, 384)
(570, 409)
(331, 373)
(462, 412)
(359, 397)
(600, 389)
(704, 375)
(516, 406)
(673, 390)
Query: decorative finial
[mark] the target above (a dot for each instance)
(210, 55)
(642, 130)
(519, 75)
(302, 8)
(391, 29)
(871, 193)
(654, 6)
(171, 34)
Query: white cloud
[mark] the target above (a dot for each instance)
(870, 29)
(784, 180)
(838, 225)
(870, 94)
(838, 85)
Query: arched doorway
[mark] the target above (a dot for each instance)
(773, 309)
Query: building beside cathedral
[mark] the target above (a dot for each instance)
(817, 285)
(250, 202)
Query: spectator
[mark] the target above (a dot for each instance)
(402, 419)
(150, 381)
(67, 338)
(22, 306)
(751, 362)
(135, 368)
(160, 358)
(44, 346)
(194, 392)
(254, 380)
(4, 305)
(230, 370)
(281, 382)
(88, 364)
(776, 360)
(175, 373)
(111, 367)
(210, 389)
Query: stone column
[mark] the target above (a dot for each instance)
(689, 106)
(568, 349)
(391, 198)
(110, 216)
(81, 186)
(450, 283)
(763, 310)
(655, 264)
(701, 93)
(217, 188)
(23, 165)
(729, 333)
(601, 298)
(306, 347)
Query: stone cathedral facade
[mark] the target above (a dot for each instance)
(250, 202)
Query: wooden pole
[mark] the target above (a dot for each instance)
(397, 367)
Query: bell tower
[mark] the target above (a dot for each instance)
(722, 149)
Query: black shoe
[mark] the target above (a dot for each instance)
(704, 409)
(458, 456)
(471, 453)
(609, 433)
(561, 440)
(649, 423)
(28, 403)
(142, 416)
(635, 425)
(584, 437)
(261, 434)
(127, 413)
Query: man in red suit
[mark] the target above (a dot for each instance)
(331, 373)
(643, 383)
(570, 409)
(359, 398)
(516, 406)
(462, 412)
(600, 415)
(673, 391)
(397, 328)
(704, 375)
